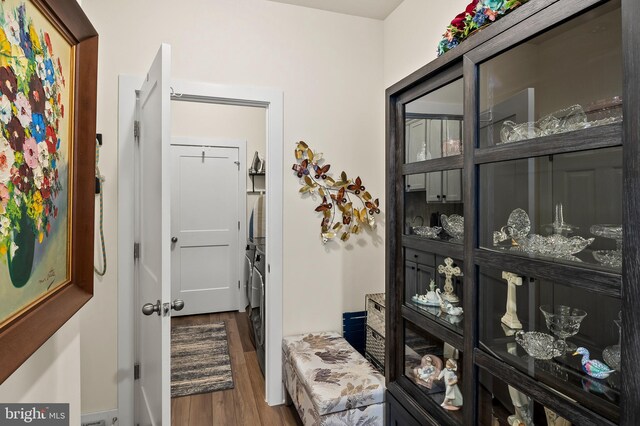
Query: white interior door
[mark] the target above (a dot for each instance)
(205, 227)
(153, 267)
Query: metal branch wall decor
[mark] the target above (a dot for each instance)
(338, 197)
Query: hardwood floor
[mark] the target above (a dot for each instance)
(245, 403)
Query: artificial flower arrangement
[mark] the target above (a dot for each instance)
(337, 196)
(31, 82)
(477, 14)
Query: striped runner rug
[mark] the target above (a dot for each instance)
(200, 360)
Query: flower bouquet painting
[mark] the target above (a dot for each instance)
(35, 142)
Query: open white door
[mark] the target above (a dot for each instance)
(153, 227)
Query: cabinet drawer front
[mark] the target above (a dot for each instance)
(419, 257)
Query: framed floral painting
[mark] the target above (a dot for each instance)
(48, 64)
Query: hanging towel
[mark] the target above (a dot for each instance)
(259, 218)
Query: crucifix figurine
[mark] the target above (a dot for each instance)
(510, 318)
(449, 271)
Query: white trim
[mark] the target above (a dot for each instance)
(272, 100)
(110, 417)
(127, 86)
(242, 197)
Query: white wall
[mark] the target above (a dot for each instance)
(412, 33)
(330, 68)
(51, 374)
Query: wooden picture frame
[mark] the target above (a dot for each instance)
(23, 333)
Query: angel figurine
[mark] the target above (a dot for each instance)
(453, 396)
(428, 370)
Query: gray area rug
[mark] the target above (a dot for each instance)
(200, 360)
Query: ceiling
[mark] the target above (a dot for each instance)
(376, 9)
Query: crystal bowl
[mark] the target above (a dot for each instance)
(426, 231)
(612, 258)
(538, 345)
(563, 321)
(607, 231)
(453, 225)
(553, 245)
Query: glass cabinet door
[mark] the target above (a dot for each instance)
(563, 336)
(567, 79)
(434, 367)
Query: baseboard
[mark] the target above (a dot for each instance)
(110, 418)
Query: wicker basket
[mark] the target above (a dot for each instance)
(375, 345)
(375, 303)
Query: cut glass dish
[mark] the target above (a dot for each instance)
(453, 225)
(553, 245)
(519, 223)
(427, 231)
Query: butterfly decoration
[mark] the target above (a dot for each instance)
(339, 215)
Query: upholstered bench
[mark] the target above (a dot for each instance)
(330, 383)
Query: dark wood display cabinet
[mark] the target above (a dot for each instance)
(512, 236)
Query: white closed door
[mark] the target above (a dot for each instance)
(152, 329)
(205, 228)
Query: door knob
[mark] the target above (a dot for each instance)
(150, 308)
(177, 305)
(174, 239)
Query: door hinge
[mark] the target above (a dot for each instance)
(238, 225)
(136, 250)
(136, 130)
(136, 371)
(238, 283)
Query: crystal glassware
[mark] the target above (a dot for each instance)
(539, 345)
(611, 354)
(555, 245)
(453, 225)
(426, 231)
(563, 321)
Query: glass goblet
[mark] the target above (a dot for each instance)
(563, 321)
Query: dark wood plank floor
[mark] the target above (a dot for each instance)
(245, 403)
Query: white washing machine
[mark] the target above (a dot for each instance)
(257, 311)
(249, 258)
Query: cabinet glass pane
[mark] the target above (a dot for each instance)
(501, 404)
(537, 325)
(426, 276)
(427, 365)
(433, 124)
(430, 196)
(568, 78)
(565, 208)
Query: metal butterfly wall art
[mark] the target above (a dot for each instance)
(346, 205)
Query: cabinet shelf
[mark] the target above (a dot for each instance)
(605, 136)
(435, 165)
(557, 397)
(435, 328)
(442, 416)
(444, 248)
(455, 324)
(593, 280)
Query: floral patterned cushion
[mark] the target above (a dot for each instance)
(334, 375)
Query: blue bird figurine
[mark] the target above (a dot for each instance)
(593, 367)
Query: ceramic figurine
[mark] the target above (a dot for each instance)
(553, 419)
(449, 271)
(593, 367)
(429, 299)
(453, 396)
(510, 318)
(447, 307)
(428, 370)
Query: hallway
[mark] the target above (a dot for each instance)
(245, 403)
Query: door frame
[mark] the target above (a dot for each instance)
(241, 145)
(272, 100)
